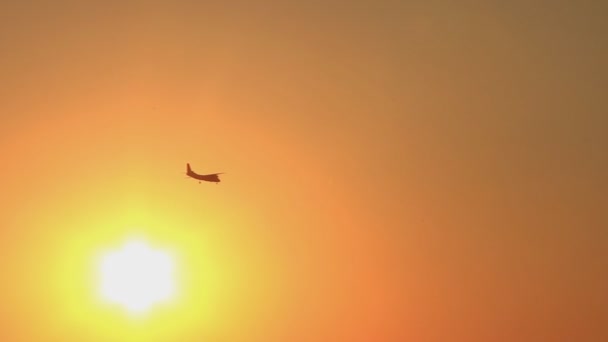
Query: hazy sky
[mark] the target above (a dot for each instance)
(395, 170)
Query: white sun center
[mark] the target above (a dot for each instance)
(137, 277)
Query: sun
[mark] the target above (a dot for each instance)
(137, 276)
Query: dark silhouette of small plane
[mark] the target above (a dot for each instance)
(213, 177)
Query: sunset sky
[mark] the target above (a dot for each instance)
(394, 170)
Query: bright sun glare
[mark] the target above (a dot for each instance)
(137, 276)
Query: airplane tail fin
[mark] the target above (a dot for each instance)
(188, 169)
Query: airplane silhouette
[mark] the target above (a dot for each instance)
(213, 177)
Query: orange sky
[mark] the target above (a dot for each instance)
(395, 171)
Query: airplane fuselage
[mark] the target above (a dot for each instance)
(206, 178)
(213, 177)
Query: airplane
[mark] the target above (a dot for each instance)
(213, 177)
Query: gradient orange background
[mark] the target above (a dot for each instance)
(395, 170)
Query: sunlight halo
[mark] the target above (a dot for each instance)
(137, 277)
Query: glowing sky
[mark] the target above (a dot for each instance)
(395, 170)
